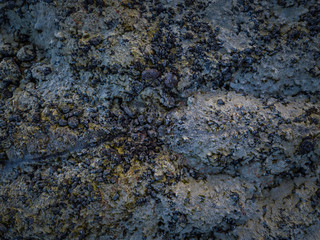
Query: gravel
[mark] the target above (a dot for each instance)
(159, 119)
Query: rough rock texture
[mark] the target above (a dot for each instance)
(159, 119)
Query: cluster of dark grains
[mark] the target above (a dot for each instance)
(89, 146)
(312, 17)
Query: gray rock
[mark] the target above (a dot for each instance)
(9, 71)
(26, 53)
(73, 122)
(40, 71)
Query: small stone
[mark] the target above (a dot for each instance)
(189, 35)
(113, 180)
(14, 118)
(141, 119)
(150, 74)
(40, 71)
(63, 123)
(60, 36)
(106, 172)
(115, 197)
(36, 117)
(171, 80)
(95, 40)
(249, 60)
(152, 134)
(2, 123)
(306, 146)
(6, 50)
(220, 102)
(73, 122)
(128, 111)
(7, 94)
(161, 131)
(150, 119)
(167, 101)
(64, 109)
(9, 71)
(3, 157)
(77, 113)
(26, 53)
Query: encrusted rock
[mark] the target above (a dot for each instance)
(73, 122)
(9, 71)
(40, 71)
(26, 53)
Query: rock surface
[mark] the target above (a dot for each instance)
(159, 119)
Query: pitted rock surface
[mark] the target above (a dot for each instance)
(159, 119)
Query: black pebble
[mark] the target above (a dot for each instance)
(63, 123)
(170, 81)
(150, 74)
(220, 102)
(3, 157)
(306, 146)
